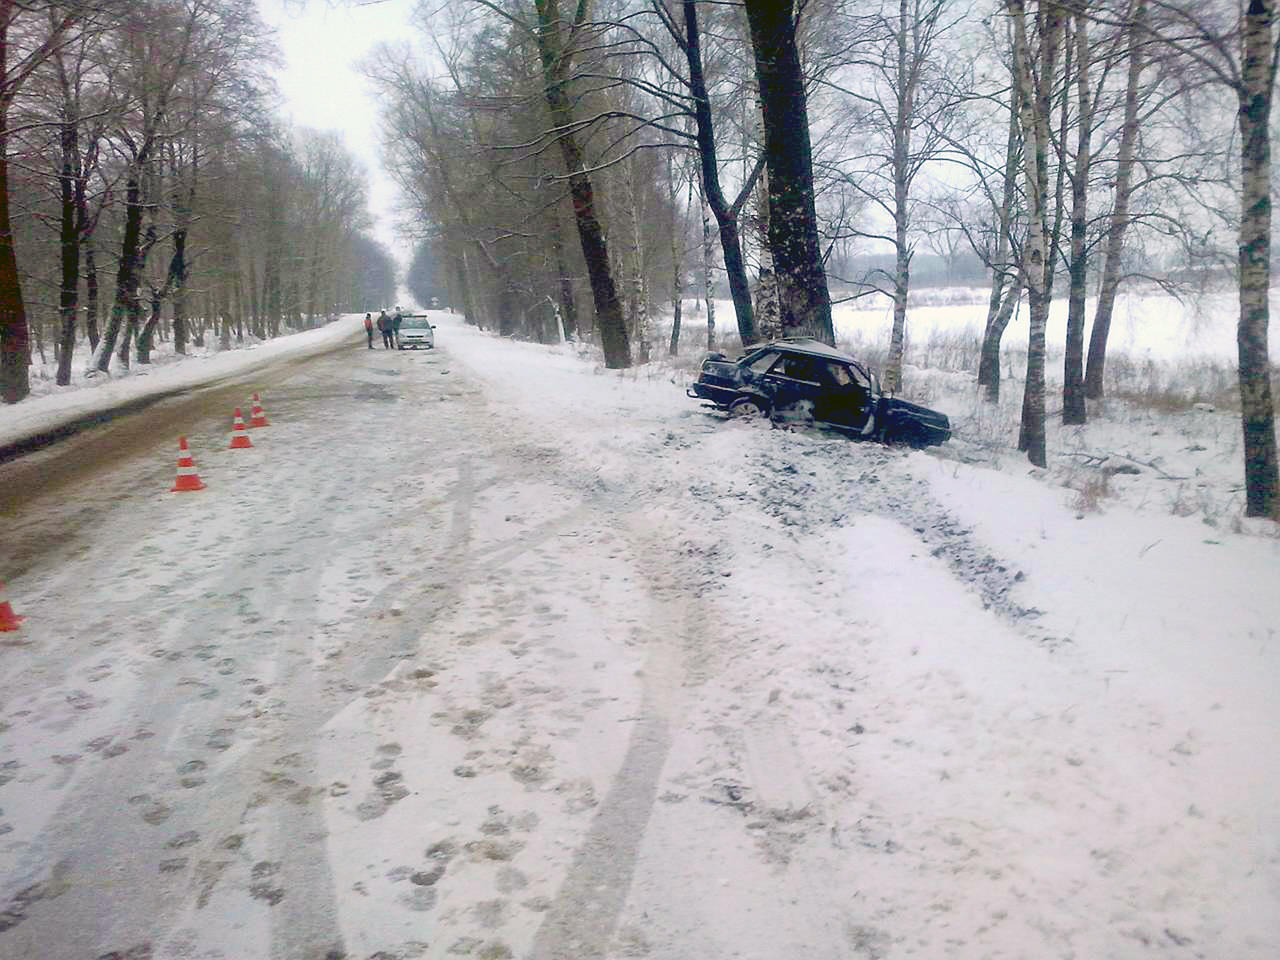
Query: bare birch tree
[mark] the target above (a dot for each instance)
(1122, 194)
(1034, 97)
(1073, 405)
(903, 116)
(1239, 50)
(1257, 410)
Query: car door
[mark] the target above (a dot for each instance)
(845, 399)
(794, 382)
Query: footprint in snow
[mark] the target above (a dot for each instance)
(157, 813)
(418, 898)
(189, 773)
(220, 739)
(141, 951)
(184, 839)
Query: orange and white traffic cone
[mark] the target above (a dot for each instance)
(8, 619)
(188, 479)
(239, 435)
(258, 416)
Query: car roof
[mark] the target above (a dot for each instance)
(810, 346)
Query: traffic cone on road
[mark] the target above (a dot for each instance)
(257, 416)
(239, 435)
(8, 619)
(188, 479)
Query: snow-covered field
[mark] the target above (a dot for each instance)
(706, 690)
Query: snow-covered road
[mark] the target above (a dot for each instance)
(481, 652)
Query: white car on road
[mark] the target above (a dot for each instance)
(416, 331)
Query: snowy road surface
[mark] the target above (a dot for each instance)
(481, 653)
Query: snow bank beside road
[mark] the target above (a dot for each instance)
(43, 414)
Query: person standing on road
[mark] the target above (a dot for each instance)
(368, 328)
(395, 325)
(384, 328)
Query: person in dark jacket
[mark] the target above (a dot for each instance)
(384, 328)
(368, 328)
(395, 325)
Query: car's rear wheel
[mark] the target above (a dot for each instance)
(744, 408)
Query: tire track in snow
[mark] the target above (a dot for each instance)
(583, 919)
(580, 924)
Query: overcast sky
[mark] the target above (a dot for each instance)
(323, 42)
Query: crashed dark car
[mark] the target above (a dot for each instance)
(802, 379)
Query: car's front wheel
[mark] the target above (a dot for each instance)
(902, 435)
(744, 408)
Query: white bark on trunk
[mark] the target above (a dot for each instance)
(707, 285)
(767, 308)
(639, 285)
(1034, 121)
(904, 109)
(1096, 364)
(1257, 411)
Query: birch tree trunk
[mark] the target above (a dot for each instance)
(768, 313)
(677, 257)
(639, 285)
(707, 286)
(1006, 277)
(905, 109)
(726, 215)
(1073, 405)
(568, 306)
(1034, 123)
(997, 323)
(1257, 412)
(1096, 365)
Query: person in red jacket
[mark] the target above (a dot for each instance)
(368, 328)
